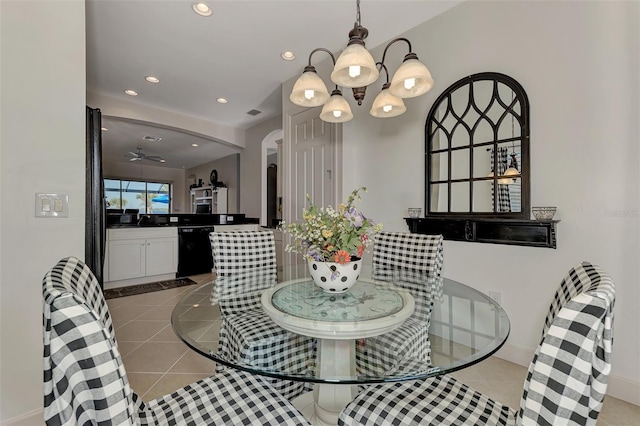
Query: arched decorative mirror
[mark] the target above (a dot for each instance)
(477, 149)
(477, 166)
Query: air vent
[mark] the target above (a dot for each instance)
(152, 138)
(254, 112)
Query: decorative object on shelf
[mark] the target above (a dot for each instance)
(415, 211)
(334, 277)
(356, 68)
(213, 177)
(335, 236)
(543, 213)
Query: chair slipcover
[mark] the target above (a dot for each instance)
(565, 385)
(85, 381)
(413, 262)
(245, 265)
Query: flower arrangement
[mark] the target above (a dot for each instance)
(330, 235)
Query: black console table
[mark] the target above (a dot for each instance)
(521, 232)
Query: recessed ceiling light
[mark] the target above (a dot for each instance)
(104, 129)
(131, 92)
(152, 79)
(288, 56)
(152, 138)
(194, 144)
(202, 9)
(222, 100)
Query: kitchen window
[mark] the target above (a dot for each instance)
(146, 196)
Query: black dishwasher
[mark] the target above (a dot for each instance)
(194, 250)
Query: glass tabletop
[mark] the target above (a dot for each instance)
(305, 300)
(453, 326)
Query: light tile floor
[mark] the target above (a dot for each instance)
(157, 362)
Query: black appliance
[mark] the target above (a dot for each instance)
(194, 250)
(121, 219)
(203, 208)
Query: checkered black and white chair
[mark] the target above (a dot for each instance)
(565, 385)
(245, 265)
(85, 381)
(413, 262)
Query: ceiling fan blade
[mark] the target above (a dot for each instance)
(135, 159)
(157, 160)
(136, 154)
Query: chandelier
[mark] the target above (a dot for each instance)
(356, 69)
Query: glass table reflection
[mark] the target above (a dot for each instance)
(353, 334)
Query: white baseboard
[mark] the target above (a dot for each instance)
(31, 418)
(624, 389)
(619, 387)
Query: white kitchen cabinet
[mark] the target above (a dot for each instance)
(126, 259)
(139, 255)
(161, 256)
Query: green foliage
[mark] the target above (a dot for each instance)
(332, 235)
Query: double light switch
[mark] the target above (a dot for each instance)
(52, 205)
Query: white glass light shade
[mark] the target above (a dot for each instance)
(309, 90)
(411, 79)
(337, 110)
(355, 55)
(511, 171)
(386, 105)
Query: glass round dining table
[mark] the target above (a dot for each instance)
(393, 325)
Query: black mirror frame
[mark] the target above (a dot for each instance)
(520, 96)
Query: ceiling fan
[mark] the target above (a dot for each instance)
(139, 156)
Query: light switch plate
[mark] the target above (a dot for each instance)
(52, 205)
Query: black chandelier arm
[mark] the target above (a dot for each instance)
(321, 49)
(384, 54)
(333, 58)
(380, 66)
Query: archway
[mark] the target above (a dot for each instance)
(269, 146)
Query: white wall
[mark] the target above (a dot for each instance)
(147, 172)
(42, 149)
(578, 62)
(228, 172)
(115, 107)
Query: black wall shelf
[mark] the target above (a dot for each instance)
(521, 232)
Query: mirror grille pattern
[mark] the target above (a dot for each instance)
(477, 149)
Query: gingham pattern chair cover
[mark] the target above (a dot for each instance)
(238, 251)
(408, 253)
(241, 292)
(413, 262)
(254, 340)
(565, 385)
(245, 264)
(568, 375)
(85, 381)
(386, 354)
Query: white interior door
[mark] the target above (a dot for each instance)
(312, 161)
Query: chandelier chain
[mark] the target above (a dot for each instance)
(358, 12)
